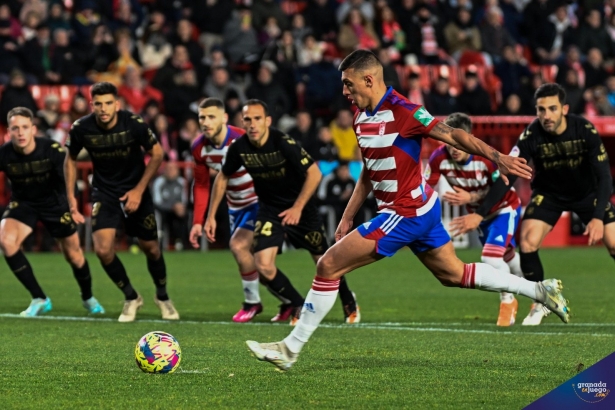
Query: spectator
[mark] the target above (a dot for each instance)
(269, 91)
(511, 106)
(511, 71)
(79, 107)
(356, 33)
(427, 40)
(365, 7)
(601, 102)
(441, 101)
(527, 93)
(170, 199)
(36, 55)
(183, 36)
(49, 114)
(572, 61)
(462, 34)
(184, 93)
(151, 110)
(304, 130)
(319, 84)
(320, 16)
(210, 18)
(473, 99)
(270, 32)
(127, 57)
(178, 62)
(188, 131)
(322, 148)
(220, 84)
(60, 131)
(129, 16)
(416, 94)
(263, 10)
(339, 190)
(593, 35)
(58, 18)
(610, 85)
(166, 136)
(39, 7)
(154, 47)
(30, 24)
(343, 135)
(15, 94)
(298, 29)
(136, 91)
(63, 61)
(390, 33)
(310, 51)
(391, 78)
(552, 37)
(239, 37)
(494, 35)
(98, 55)
(574, 92)
(535, 14)
(595, 73)
(85, 22)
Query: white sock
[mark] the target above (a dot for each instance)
(485, 277)
(498, 263)
(250, 283)
(318, 303)
(515, 265)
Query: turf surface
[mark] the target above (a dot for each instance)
(420, 345)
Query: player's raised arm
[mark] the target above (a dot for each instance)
(460, 139)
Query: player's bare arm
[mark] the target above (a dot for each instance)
(292, 215)
(462, 140)
(360, 193)
(132, 198)
(70, 177)
(460, 196)
(217, 193)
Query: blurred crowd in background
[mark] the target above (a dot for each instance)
(480, 57)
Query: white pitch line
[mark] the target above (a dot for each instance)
(371, 326)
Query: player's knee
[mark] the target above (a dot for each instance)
(151, 249)
(529, 245)
(239, 247)
(9, 244)
(265, 268)
(325, 267)
(105, 253)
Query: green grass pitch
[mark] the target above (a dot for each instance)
(420, 345)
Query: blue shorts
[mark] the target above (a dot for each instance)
(243, 218)
(420, 233)
(500, 230)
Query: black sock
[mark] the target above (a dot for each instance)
(23, 271)
(84, 279)
(282, 286)
(116, 271)
(348, 302)
(158, 271)
(531, 266)
(263, 281)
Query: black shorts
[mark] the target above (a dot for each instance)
(55, 216)
(548, 209)
(308, 234)
(108, 212)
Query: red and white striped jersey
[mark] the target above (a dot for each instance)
(390, 140)
(475, 175)
(240, 190)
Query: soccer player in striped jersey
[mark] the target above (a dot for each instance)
(390, 130)
(209, 151)
(471, 176)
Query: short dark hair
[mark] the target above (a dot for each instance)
(550, 90)
(359, 60)
(103, 88)
(459, 120)
(254, 101)
(21, 112)
(212, 102)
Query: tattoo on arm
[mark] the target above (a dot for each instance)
(495, 154)
(442, 128)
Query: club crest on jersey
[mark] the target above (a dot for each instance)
(422, 116)
(515, 151)
(358, 132)
(383, 126)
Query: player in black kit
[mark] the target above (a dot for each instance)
(114, 139)
(285, 179)
(34, 167)
(571, 174)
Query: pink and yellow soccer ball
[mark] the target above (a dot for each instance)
(158, 352)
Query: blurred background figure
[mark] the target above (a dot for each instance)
(170, 199)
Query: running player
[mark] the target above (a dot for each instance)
(390, 130)
(34, 167)
(471, 176)
(114, 139)
(572, 174)
(208, 151)
(285, 179)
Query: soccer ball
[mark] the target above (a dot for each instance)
(158, 352)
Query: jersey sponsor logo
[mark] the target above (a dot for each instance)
(382, 127)
(422, 116)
